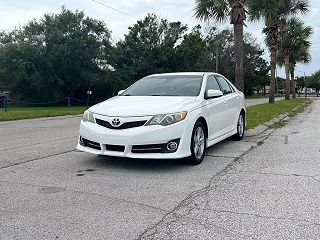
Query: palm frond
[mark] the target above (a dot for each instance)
(300, 7)
(264, 9)
(212, 9)
(295, 41)
(293, 8)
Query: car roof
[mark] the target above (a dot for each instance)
(184, 74)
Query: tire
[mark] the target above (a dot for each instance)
(198, 144)
(240, 127)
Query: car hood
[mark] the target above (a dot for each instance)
(129, 106)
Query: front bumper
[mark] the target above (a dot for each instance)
(145, 135)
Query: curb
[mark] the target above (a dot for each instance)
(265, 126)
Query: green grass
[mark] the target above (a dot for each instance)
(16, 113)
(259, 114)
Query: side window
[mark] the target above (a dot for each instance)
(226, 89)
(212, 83)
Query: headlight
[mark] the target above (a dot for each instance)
(88, 117)
(165, 120)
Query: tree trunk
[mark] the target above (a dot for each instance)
(273, 51)
(239, 53)
(293, 84)
(287, 69)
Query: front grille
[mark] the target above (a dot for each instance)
(123, 126)
(151, 148)
(115, 148)
(90, 144)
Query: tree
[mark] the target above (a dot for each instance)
(255, 67)
(274, 12)
(235, 11)
(57, 56)
(299, 55)
(149, 47)
(193, 53)
(293, 39)
(301, 83)
(315, 81)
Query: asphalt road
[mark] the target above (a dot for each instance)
(242, 190)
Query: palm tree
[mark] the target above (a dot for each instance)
(222, 10)
(299, 55)
(293, 46)
(274, 12)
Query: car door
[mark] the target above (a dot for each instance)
(215, 109)
(231, 103)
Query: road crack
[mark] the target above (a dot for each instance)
(313, 177)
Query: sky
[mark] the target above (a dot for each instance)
(18, 12)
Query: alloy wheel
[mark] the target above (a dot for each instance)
(199, 142)
(240, 125)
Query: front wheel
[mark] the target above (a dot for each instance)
(240, 127)
(198, 144)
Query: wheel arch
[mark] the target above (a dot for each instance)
(204, 122)
(243, 111)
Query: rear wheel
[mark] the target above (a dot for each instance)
(198, 144)
(240, 127)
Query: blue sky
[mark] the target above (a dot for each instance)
(19, 12)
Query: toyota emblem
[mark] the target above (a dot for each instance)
(116, 122)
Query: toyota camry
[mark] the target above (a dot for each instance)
(172, 115)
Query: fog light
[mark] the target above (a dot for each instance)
(172, 146)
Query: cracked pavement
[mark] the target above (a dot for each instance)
(264, 187)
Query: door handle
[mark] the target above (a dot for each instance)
(225, 102)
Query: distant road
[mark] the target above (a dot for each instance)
(252, 102)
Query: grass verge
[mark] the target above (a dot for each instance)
(38, 112)
(259, 114)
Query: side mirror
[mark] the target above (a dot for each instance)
(211, 93)
(120, 92)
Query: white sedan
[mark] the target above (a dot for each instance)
(172, 115)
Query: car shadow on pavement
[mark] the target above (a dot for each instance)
(137, 164)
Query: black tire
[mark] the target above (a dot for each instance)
(240, 127)
(197, 157)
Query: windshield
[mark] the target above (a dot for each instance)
(166, 85)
